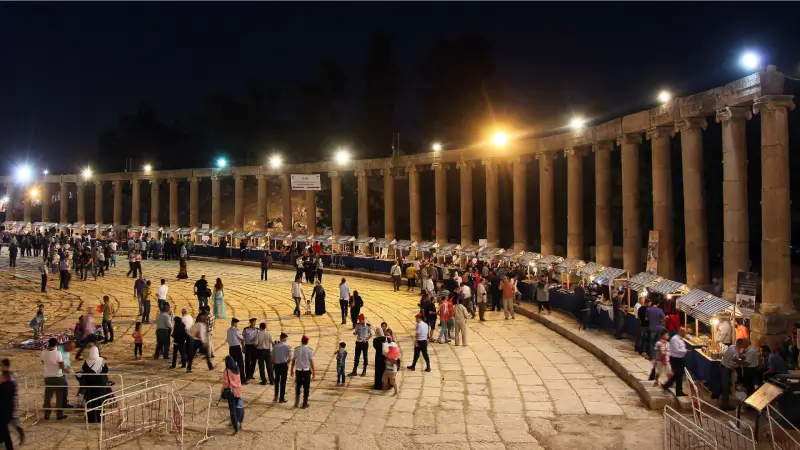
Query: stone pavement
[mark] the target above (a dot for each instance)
(518, 385)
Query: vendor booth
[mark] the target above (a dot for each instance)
(280, 239)
(669, 291)
(301, 241)
(589, 271)
(363, 247)
(528, 261)
(425, 249)
(203, 236)
(381, 247)
(343, 245)
(510, 255)
(185, 234)
(104, 231)
(239, 236)
(546, 263)
(217, 235)
(51, 227)
(489, 253)
(568, 272)
(468, 252)
(37, 227)
(403, 248)
(169, 232)
(637, 284)
(324, 241)
(259, 240)
(90, 230)
(153, 232)
(119, 233)
(446, 254)
(611, 277)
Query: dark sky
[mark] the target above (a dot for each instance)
(68, 70)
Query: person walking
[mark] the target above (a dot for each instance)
(265, 266)
(391, 353)
(445, 312)
(12, 253)
(210, 321)
(161, 294)
(137, 341)
(179, 341)
(250, 334)
(263, 349)
(344, 299)
(482, 300)
(507, 289)
(380, 359)
(421, 346)
(202, 292)
(163, 331)
(138, 289)
(303, 371)
(732, 360)
(363, 333)
(281, 353)
(320, 267)
(677, 351)
(63, 270)
(234, 339)
(13, 410)
(356, 303)
(318, 297)
(411, 276)
(461, 315)
(655, 318)
(232, 392)
(53, 372)
(198, 341)
(219, 300)
(45, 272)
(108, 313)
(341, 362)
(619, 315)
(147, 295)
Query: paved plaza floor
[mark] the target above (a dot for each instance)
(518, 385)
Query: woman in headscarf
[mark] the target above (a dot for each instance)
(232, 392)
(182, 274)
(318, 296)
(94, 384)
(380, 361)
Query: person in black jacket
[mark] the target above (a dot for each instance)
(179, 338)
(8, 392)
(356, 303)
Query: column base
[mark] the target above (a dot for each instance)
(772, 328)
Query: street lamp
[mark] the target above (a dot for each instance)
(577, 123)
(24, 174)
(34, 193)
(275, 161)
(148, 168)
(664, 96)
(750, 60)
(221, 163)
(45, 172)
(500, 139)
(342, 156)
(87, 173)
(437, 147)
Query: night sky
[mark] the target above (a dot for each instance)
(69, 69)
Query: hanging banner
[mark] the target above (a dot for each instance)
(746, 287)
(306, 182)
(652, 253)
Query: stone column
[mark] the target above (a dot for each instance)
(194, 189)
(136, 203)
(10, 203)
(215, 207)
(440, 190)
(262, 200)
(154, 187)
(173, 202)
(27, 203)
(414, 203)
(45, 202)
(286, 202)
(238, 202)
(631, 229)
(388, 203)
(777, 310)
(574, 202)
(81, 203)
(492, 204)
(363, 203)
(336, 203)
(98, 202)
(64, 193)
(520, 194)
(117, 202)
(465, 182)
(311, 212)
(694, 208)
(546, 207)
(736, 234)
(604, 238)
(662, 198)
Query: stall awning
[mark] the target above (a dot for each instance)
(121, 228)
(569, 265)
(89, 227)
(203, 232)
(590, 269)
(528, 258)
(690, 300)
(403, 245)
(301, 237)
(343, 239)
(448, 249)
(364, 241)
(608, 276)
(104, 227)
(185, 231)
(489, 252)
(63, 225)
(75, 225)
(222, 232)
(642, 280)
(169, 230)
(51, 225)
(548, 260)
(667, 287)
(259, 234)
(710, 307)
(241, 234)
(426, 246)
(37, 224)
(511, 254)
(322, 238)
(280, 236)
(471, 249)
(9, 223)
(384, 243)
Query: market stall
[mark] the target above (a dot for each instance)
(528, 261)
(443, 252)
(468, 252)
(103, 231)
(168, 232)
(8, 224)
(74, 228)
(489, 253)
(237, 237)
(589, 271)
(63, 227)
(568, 270)
(185, 234)
(344, 245)
(203, 236)
(424, 247)
(301, 241)
(363, 246)
(510, 255)
(37, 227)
(403, 248)
(51, 227)
(280, 239)
(324, 241)
(90, 230)
(637, 284)
(152, 232)
(381, 247)
(118, 233)
(217, 235)
(669, 291)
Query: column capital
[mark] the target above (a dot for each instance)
(465, 164)
(689, 123)
(602, 145)
(387, 172)
(569, 151)
(333, 174)
(545, 155)
(659, 133)
(733, 112)
(172, 180)
(629, 139)
(487, 162)
(135, 181)
(411, 169)
(360, 173)
(214, 177)
(80, 183)
(154, 181)
(193, 179)
(261, 176)
(98, 183)
(770, 102)
(239, 177)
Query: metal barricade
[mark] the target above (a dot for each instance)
(31, 390)
(680, 433)
(727, 430)
(781, 431)
(130, 415)
(197, 410)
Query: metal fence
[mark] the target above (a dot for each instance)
(130, 415)
(680, 433)
(784, 435)
(197, 410)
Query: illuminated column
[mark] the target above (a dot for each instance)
(117, 202)
(363, 203)
(694, 208)
(173, 202)
(194, 188)
(777, 311)
(492, 206)
(64, 193)
(631, 229)
(98, 202)
(238, 201)
(520, 193)
(215, 207)
(547, 223)
(440, 189)
(136, 203)
(262, 200)
(574, 202)
(10, 203)
(154, 186)
(336, 203)
(311, 211)
(736, 234)
(465, 182)
(45, 202)
(81, 204)
(286, 202)
(662, 198)
(27, 203)
(602, 185)
(414, 203)
(388, 203)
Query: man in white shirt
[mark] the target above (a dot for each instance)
(234, 338)
(187, 319)
(462, 316)
(344, 299)
(161, 295)
(724, 332)
(264, 347)
(482, 299)
(677, 351)
(303, 370)
(421, 347)
(397, 272)
(53, 363)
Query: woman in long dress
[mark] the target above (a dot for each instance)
(94, 385)
(318, 296)
(182, 274)
(380, 359)
(219, 300)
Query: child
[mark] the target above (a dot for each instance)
(114, 259)
(341, 359)
(37, 324)
(137, 341)
(661, 357)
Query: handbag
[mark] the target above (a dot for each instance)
(227, 393)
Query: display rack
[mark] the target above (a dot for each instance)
(567, 269)
(345, 244)
(363, 244)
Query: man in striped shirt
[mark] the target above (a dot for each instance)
(661, 357)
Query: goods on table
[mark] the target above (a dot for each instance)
(41, 342)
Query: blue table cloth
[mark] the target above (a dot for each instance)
(526, 289)
(703, 369)
(566, 301)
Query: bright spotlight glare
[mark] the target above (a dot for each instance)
(4, 200)
(24, 174)
(222, 162)
(45, 171)
(500, 139)
(34, 192)
(750, 60)
(148, 168)
(437, 147)
(342, 156)
(275, 161)
(577, 123)
(664, 96)
(87, 173)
